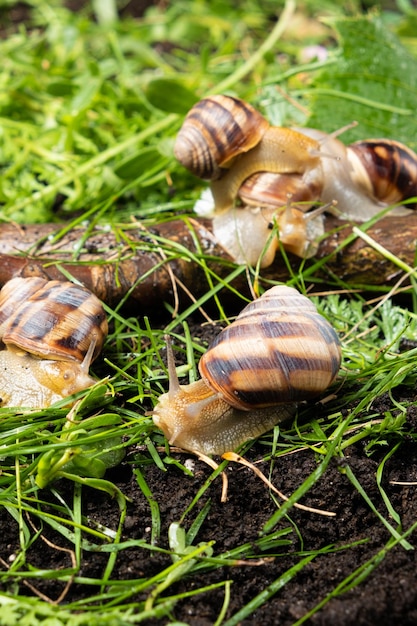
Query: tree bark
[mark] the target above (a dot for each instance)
(134, 265)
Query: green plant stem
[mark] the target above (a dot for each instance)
(268, 44)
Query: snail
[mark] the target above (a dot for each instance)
(277, 353)
(50, 332)
(279, 173)
(226, 140)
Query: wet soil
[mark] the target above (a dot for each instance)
(387, 596)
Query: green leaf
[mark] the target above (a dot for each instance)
(102, 450)
(374, 81)
(83, 465)
(106, 11)
(170, 95)
(93, 399)
(84, 97)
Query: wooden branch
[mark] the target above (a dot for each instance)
(133, 263)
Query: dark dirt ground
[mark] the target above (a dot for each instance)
(387, 597)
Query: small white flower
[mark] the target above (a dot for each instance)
(205, 204)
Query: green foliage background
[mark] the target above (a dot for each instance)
(89, 109)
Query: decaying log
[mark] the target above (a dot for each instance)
(133, 263)
(132, 266)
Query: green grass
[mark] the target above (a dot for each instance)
(88, 114)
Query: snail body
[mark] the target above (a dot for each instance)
(363, 178)
(51, 332)
(281, 172)
(37, 383)
(279, 351)
(246, 232)
(281, 151)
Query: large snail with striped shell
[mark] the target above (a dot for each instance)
(261, 175)
(278, 352)
(50, 332)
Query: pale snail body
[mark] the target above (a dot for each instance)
(281, 176)
(268, 198)
(278, 352)
(27, 381)
(356, 181)
(51, 331)
(360, 179)
(281, 150)
(246, 232)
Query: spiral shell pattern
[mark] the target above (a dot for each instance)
(277, 190)
(391, 167)
(279, 349)
(51, 319)
(215, 131)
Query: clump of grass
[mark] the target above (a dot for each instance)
(88, 113)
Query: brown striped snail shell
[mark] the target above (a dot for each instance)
(12, 294)
(52, 331)
(367, 176)
(391, 168)
(215, 131)
(275, 190)
(278, 352)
